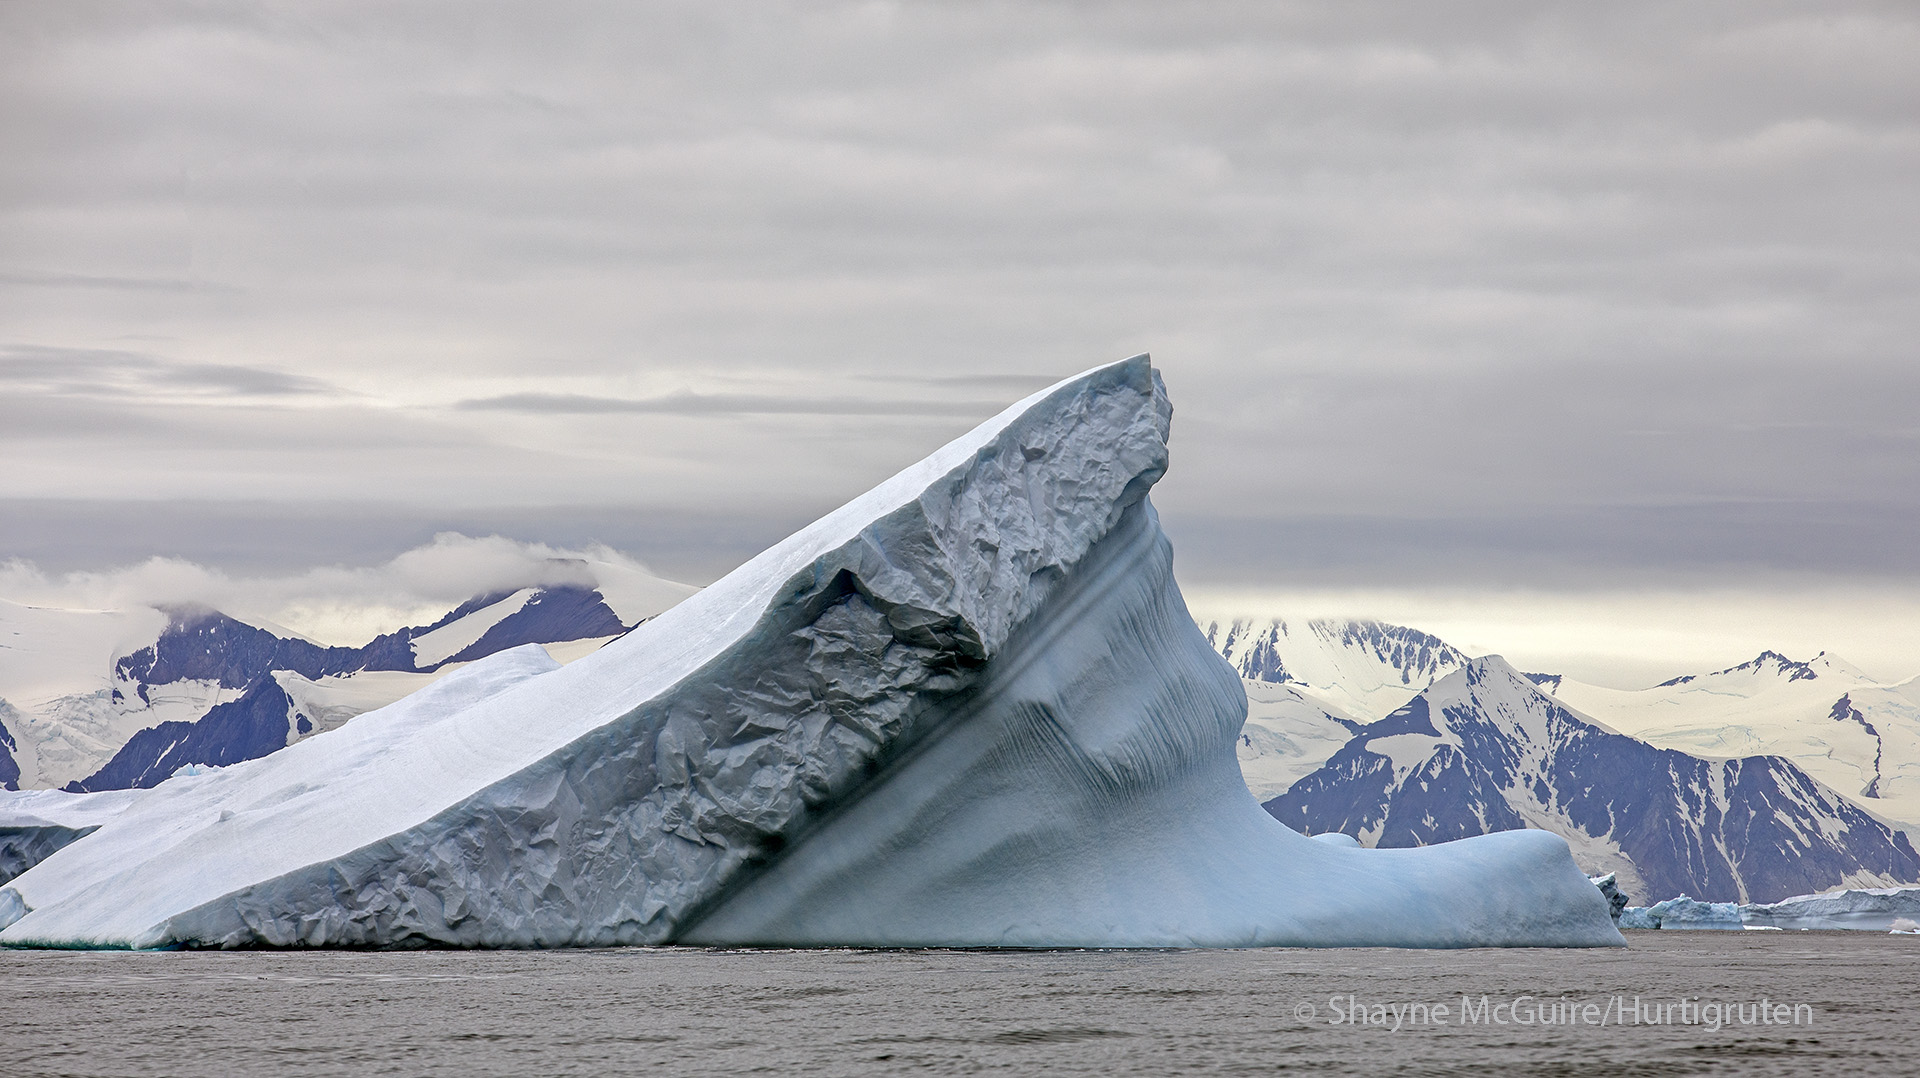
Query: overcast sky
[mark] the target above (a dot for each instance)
(1567, 301)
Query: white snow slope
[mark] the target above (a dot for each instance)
(57, 688)
(431, 649)
(1362, 670)
(1311, 684)
(1287, 736)
(1859, 736)
(967, 708)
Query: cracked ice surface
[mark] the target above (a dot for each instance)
(967, 708)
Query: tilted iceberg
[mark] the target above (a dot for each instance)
(967, 708)
(34, 824)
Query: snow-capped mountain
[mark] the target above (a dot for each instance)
(1353, 669)
(1286, 736)
(96, 700)
(56, 688)
(1484, 750)
(1855, 734)
(1312, 684)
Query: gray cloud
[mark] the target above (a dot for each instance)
(1012, 383)
(41, 369)
(684, 403)
(137, 284)
(252, 535)
(1440, 293)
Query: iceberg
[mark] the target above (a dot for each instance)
(968, 708)
(27, 840)
(1857, 909)
(1684, 912)
(1616, 899)
(34, 824)
(1860, 909)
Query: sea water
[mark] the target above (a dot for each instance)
(1672, 1003)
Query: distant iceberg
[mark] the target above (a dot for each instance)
(968, 708)
(1859, 909)
(1867, 909)
(1683, 913)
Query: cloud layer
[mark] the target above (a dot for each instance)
(1492, 293)
(341, 604)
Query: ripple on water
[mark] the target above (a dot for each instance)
(888, 1012)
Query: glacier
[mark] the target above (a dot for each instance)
(968, 708)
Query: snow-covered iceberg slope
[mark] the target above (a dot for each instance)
(967, 708)
(34, 824)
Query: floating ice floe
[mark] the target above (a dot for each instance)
(1867, 909)
(1683, 913)
(1863, 909)
(968, 708)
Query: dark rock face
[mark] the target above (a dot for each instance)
(1844, 711)
(206, 645)
(1771, 661)
(244, 729)
(551, 615)
(1257, 650)
(1484, 750)
(9, 767)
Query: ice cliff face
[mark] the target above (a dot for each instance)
(968, 708)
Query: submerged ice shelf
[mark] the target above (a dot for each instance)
(967, 708)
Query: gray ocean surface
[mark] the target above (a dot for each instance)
(1851, 998)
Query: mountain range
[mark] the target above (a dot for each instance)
(1764, 780)
(1853, 733)
(103, 700)
(1311, 685)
